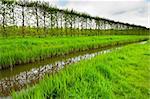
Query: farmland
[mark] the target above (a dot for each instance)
(48, 52)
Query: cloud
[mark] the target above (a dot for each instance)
(119, 12)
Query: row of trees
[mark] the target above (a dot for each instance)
(40, 15)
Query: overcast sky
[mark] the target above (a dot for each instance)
(131, 11)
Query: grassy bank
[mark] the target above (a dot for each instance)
(29, 49)
(120, 74)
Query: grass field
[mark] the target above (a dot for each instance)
(122, 74)
(29, 49)
(47, 52)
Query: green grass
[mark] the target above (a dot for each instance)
(30, 31)
(122, 74)
(20, 50)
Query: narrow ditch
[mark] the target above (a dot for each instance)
(21, 78)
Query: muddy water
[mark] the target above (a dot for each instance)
(21, 75)
(32, 76)
(27, 67)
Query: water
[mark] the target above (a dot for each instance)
(33, 75)
(27, 67)
(21, 75)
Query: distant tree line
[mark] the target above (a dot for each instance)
(41, 17)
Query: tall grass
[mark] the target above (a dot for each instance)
(30, 31)
(122, 74)
(30, 49)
